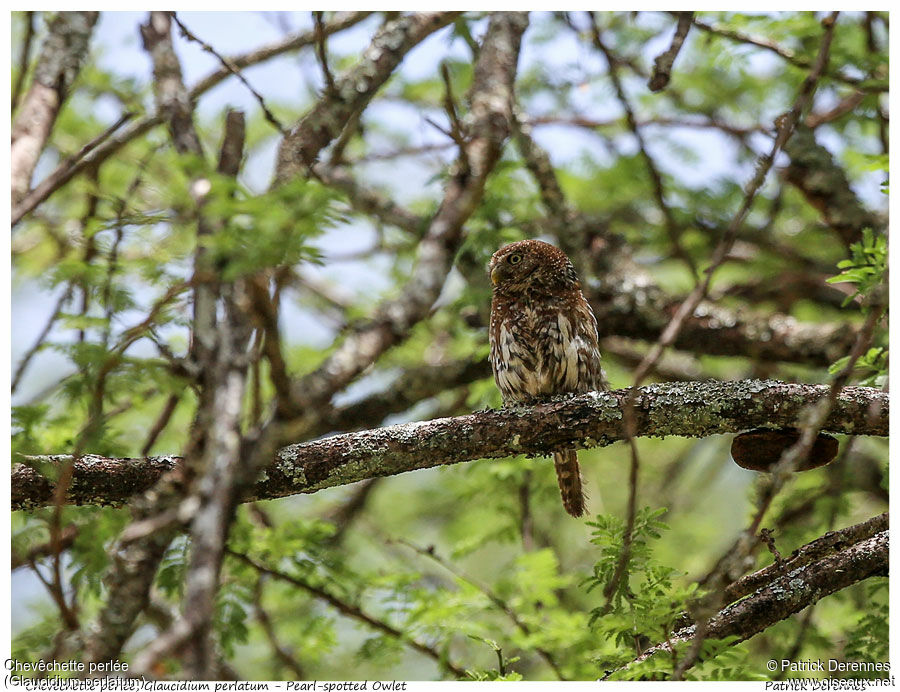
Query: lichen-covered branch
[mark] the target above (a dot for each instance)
(628, 303)
(816, 550)
(786, 592)
(686, 409)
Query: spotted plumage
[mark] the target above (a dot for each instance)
(543, 338)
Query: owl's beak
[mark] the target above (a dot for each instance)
(495, 276)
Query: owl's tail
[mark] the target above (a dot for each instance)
(568, 475)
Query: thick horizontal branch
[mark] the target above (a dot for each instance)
(685, 409)
(628, 302)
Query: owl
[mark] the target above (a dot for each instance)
(543, 338)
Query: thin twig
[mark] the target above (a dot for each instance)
(54, 588)
(322, 53)
(39, 342)
(160, 424)
(281, 653)
(673, 228)
(785, 125)
(498, 602)
(739, 132)
(266, 313)
(350, 610)
(43, 549)
(457, 131)
(526, 520)
(342, 517)
(256, 402)
(233, 69)
(64, 172)
(353, 126)
(786, 54)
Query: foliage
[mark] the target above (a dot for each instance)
(866, 267)
(867, 641)
(470, 570)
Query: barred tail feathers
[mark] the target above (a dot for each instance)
(568, 475)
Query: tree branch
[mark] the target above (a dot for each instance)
(63, 173)
(57, 67)
(662, 64)
(491, 102)
(673, 228)
(824, 184)
(791, 590)
(353, 611)
(233, 69)
(686, 409)
(816, 550)
(68, 169)
(625, 298)
(799, 61)
(22, 63)
(353, 90)
(340, 21)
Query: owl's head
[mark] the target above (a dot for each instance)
(531, 265)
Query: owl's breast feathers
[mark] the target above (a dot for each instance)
(544, 345)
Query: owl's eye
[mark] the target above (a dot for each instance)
(515, 258)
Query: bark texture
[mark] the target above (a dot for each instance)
(686, 409)
(830, 563)
(57, 67)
